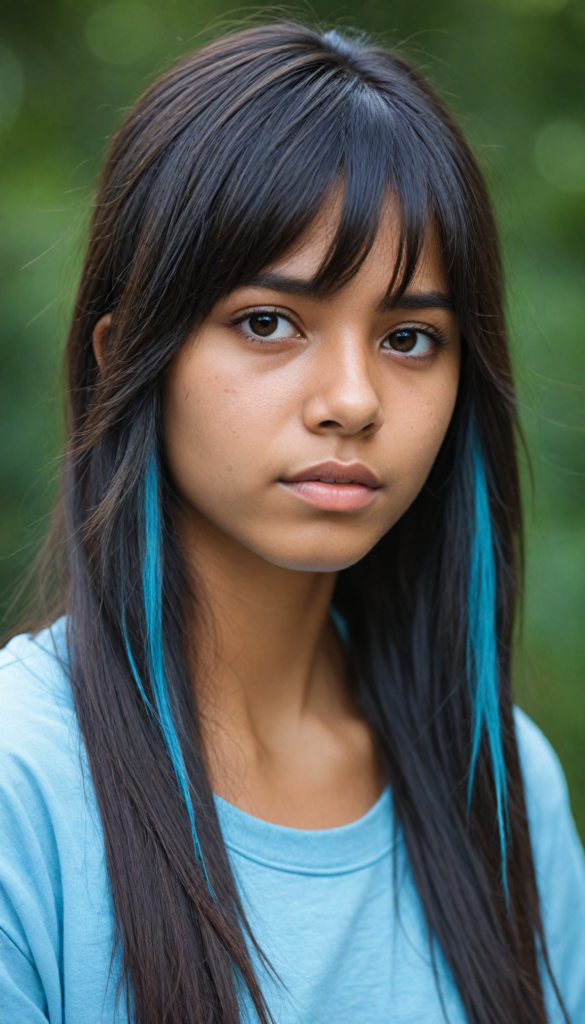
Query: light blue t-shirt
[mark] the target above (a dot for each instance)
(323, 904)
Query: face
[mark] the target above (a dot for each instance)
(303, 427)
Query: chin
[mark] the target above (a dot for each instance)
(324, 559)
(328, 548)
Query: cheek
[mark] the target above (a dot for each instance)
(420, 419)
(216, 425)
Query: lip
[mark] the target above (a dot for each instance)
(335, 486)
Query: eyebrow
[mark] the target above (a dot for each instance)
(300, 286)
(420, 300)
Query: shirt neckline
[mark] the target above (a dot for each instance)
(327, 851)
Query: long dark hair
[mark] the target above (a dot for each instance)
(216, 171)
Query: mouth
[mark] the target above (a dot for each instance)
(335, 486)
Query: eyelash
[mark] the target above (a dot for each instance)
(434, 333)
(437, 337)
(239, 320)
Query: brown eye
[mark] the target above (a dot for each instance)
(265, 324)
(409, 341)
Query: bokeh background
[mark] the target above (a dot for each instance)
(513, 70)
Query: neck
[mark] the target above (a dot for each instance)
(268, 640)
(282, 737)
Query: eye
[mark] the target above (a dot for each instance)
(409, 341)
(268, 325)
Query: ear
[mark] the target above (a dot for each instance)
(99, 336)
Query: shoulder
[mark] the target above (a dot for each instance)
(544, 779)
(41, 751)
(34, 663)
(55, 915)
(552, 829)
(46, 796)
(560, 866)
(36, 705)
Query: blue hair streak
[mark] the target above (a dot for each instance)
(482, 653)
(340, 625)
(152, 597)
(135, 672)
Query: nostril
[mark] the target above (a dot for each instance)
(330, 423)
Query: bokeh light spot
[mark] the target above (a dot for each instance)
(122, 33)
(11, 87)
(559, 153)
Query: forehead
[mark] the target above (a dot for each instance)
(305, 259)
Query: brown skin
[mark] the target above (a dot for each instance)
(284, 740)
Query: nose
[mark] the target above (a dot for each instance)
(344, 398)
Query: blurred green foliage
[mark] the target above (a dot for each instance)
(513, 70)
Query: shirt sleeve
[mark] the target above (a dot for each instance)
(30, 984)
(58, 960)
(22, 997)
(560, 870)
(30, 876)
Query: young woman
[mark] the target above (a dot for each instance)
(262, 762)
